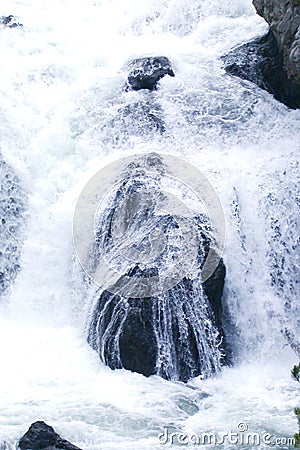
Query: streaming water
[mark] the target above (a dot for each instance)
(64, 115)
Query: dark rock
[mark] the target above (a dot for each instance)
(213, 288)
(144, 73)
(262, 62)
(177, 333)
(139, 355)
(42, 436)
(132, 342)
(10, 21)
(283, 16)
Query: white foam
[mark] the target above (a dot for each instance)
(62, 79)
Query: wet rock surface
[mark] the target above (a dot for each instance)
(262, 62)
(175, 332)
(41, 436)
(283, 16)
(144, 73)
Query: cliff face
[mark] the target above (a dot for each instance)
(261, 61)
(283, 16)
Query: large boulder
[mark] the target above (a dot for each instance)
(262, 62)
(41, 436)
(144, 73)
(283, 16)
(176, 333)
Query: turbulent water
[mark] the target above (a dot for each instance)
(64, 115)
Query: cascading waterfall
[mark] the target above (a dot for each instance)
(283, 220)
(65, 115)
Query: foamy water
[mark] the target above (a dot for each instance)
(62, 79)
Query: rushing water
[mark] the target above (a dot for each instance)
(64, 115)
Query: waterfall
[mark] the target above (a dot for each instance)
(67, 114)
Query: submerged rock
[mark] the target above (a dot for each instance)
(10, 21)
(11, 217)
(175, 333)
(144, 73)
(138, 119)
(42, 436)
(262, 62)
(5, 446)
